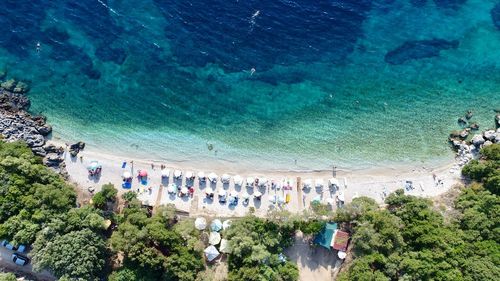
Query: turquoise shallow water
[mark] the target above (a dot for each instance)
(371, 83)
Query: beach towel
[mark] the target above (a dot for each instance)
(144, 182)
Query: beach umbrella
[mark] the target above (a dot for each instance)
(226, 224)
(233, 193)
(330, 201)
(212, 177)
(341, 196)
(184, 190)
(257, 194)
(340, 254)
(177, 174)
(209, 191)
(214, 238)
(333, 182)
(224, 246)
(281, 200)
(143, 173)
(225, 178)
(231, 199)
(200, 223)
(189, 175)
(201, 175)
(165, 173)
(127, 175)
(319, 183)
(238, 180)
(250, 181)
(211, 253)
(307, 182)
(222, 193)
(93, 165)
(272, 199)
(245, 196)
(216, 225)
(262, 181)
(172, 188)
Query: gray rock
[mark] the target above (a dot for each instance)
(39, 151)
(34, 140)
(464, 134)
(477, 140)
(44, 130)
(489, 135)
(487, 143)
(9, 84)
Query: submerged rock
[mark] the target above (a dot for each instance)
(412, 50)
(9, 85)
(495, 15)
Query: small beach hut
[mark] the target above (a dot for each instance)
(200, 223)
(216, 225)
(201, 176)
(333, 182)
(214, 238)
(211, 253)
(325, 236)
(212, 177)
(177, 174)
(189, 175)
(238, 180)
(225, 178)
(165, 173)
(340, 241)
(172, 188)
(224, 246)
(319, 183)
(250, 181)
(226, 224)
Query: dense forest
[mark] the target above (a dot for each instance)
(410, 238)
(414, 239)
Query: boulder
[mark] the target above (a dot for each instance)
(39, 151)
(468, 114)
(497, 120)
(487, 143)
(52, 160)
(497, 137)
(489, 135)
(44, 130)
(21, 88)
(464, 134)
(474, 126)
(9, 84)
(477, 140)
(34, 140)
(462, 121)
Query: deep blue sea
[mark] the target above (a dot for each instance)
(266, 84)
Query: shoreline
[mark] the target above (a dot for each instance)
(374, 183)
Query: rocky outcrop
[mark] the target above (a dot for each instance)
(16, 124)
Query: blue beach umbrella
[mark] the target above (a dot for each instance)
(216, 225)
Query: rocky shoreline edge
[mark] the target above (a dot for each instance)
(17, 124)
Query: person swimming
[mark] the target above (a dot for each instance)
(38, 46)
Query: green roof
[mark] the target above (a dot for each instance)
(324, 238)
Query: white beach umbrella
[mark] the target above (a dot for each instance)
(127, 175)
(214, 238)
(341, 196)
(225, 178)
(200, 223)
(226, 224)
(319, 183)
(250, 181)
(211, 253)
(212, 177)
(330, 201)
(238, 180)
(245, 196)
(184, 190)
(222, 192)
(257, 194)
(189, 175)
(341, 255)
(233, 193)
(307, 182)
(262, 181)
(177, 174)
(172, 188)
(224, 246)
(333, 182)
(165, 173)
(201, 175)
(209, 191)
(216, 225)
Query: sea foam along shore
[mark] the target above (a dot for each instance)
(374, 183)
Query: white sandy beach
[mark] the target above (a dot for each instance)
(372, 183)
